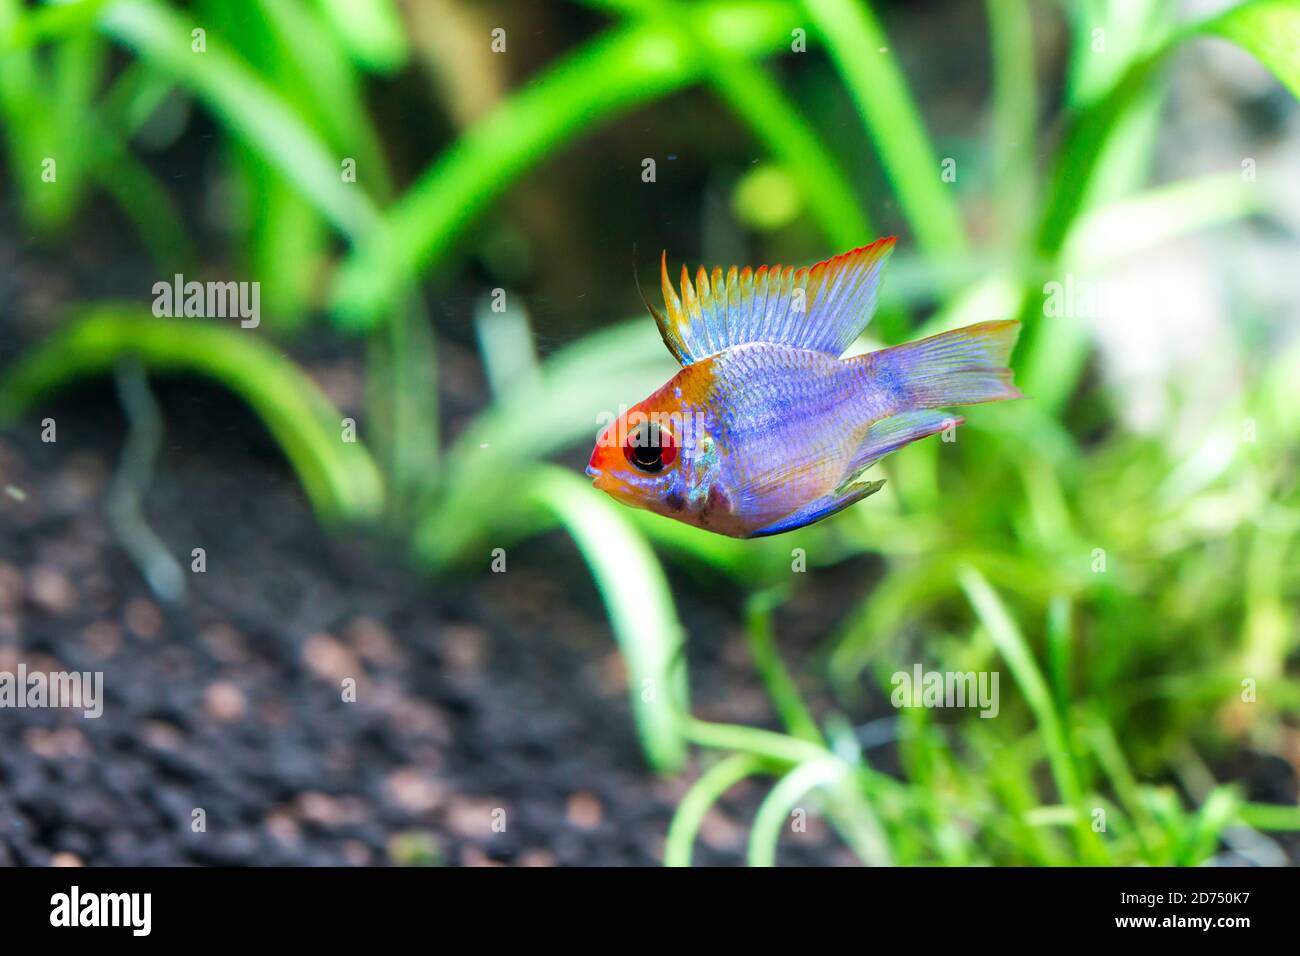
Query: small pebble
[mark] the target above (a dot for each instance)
(415, 791)
(11, 587)
(473, 818)
(143, 618)
(103, 638)
(320, 808)
(50, 590)
(537, 856)
(224, 701)
(372, 641)
(720, 832)
(584, 811)
(329, 658)
(463, 648)
(356, 853)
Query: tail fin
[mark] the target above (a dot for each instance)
(963, 367)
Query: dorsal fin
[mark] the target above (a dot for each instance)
(822, 308)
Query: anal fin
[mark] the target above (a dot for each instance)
(822, 507)
(892, 433)
(883, 437)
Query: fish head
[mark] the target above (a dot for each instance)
(648, 457)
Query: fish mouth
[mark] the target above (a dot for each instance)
(600, 479)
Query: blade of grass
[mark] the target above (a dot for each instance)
(609, 75)
(43, 102)
(860, 50)
(590, 377)
(774, 812)
(1110, 756)
(402, 405)
(1009, 775)
(704, 793)
(371, 29)
(147, 203)
(640, 605)
(1015, 111)
(340, 477)
(1149, 219)
(1270, 816)
(1057, 355)
(777, 747)
(846, 808)
(51, 21)
(330, 90)
(785, 695)
(1015, 651)
(1269, 620)
(295, 54)
(1218, 811)
(1268, 29)
(245, 105)
(1060, 637)
(755, 98)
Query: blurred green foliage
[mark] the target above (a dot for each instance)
(1127, 683)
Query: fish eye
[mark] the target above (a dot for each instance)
(650, 448)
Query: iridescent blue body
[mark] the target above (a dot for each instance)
(785, 424)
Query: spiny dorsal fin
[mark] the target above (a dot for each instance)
(822, 308)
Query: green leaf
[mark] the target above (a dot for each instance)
(639, 602)
(774, 812)
(1270, 31)
(245, 105)
(1015, 111)
(781, 688)
(1270, 816)
(609, 75)
(870, 70)
(757, 99)
(1218, 810)
(339, 477)
(371, 29)
(588, 378)
(697, 802)
(1015, 651)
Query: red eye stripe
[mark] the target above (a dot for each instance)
(667, 446)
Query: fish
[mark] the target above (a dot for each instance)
(766, 427)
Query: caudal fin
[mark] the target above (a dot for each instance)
(963, 367)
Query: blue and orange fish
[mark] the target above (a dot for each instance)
(766, 429)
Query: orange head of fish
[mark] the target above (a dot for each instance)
(644, 457)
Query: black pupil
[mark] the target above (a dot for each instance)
(646, 451)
